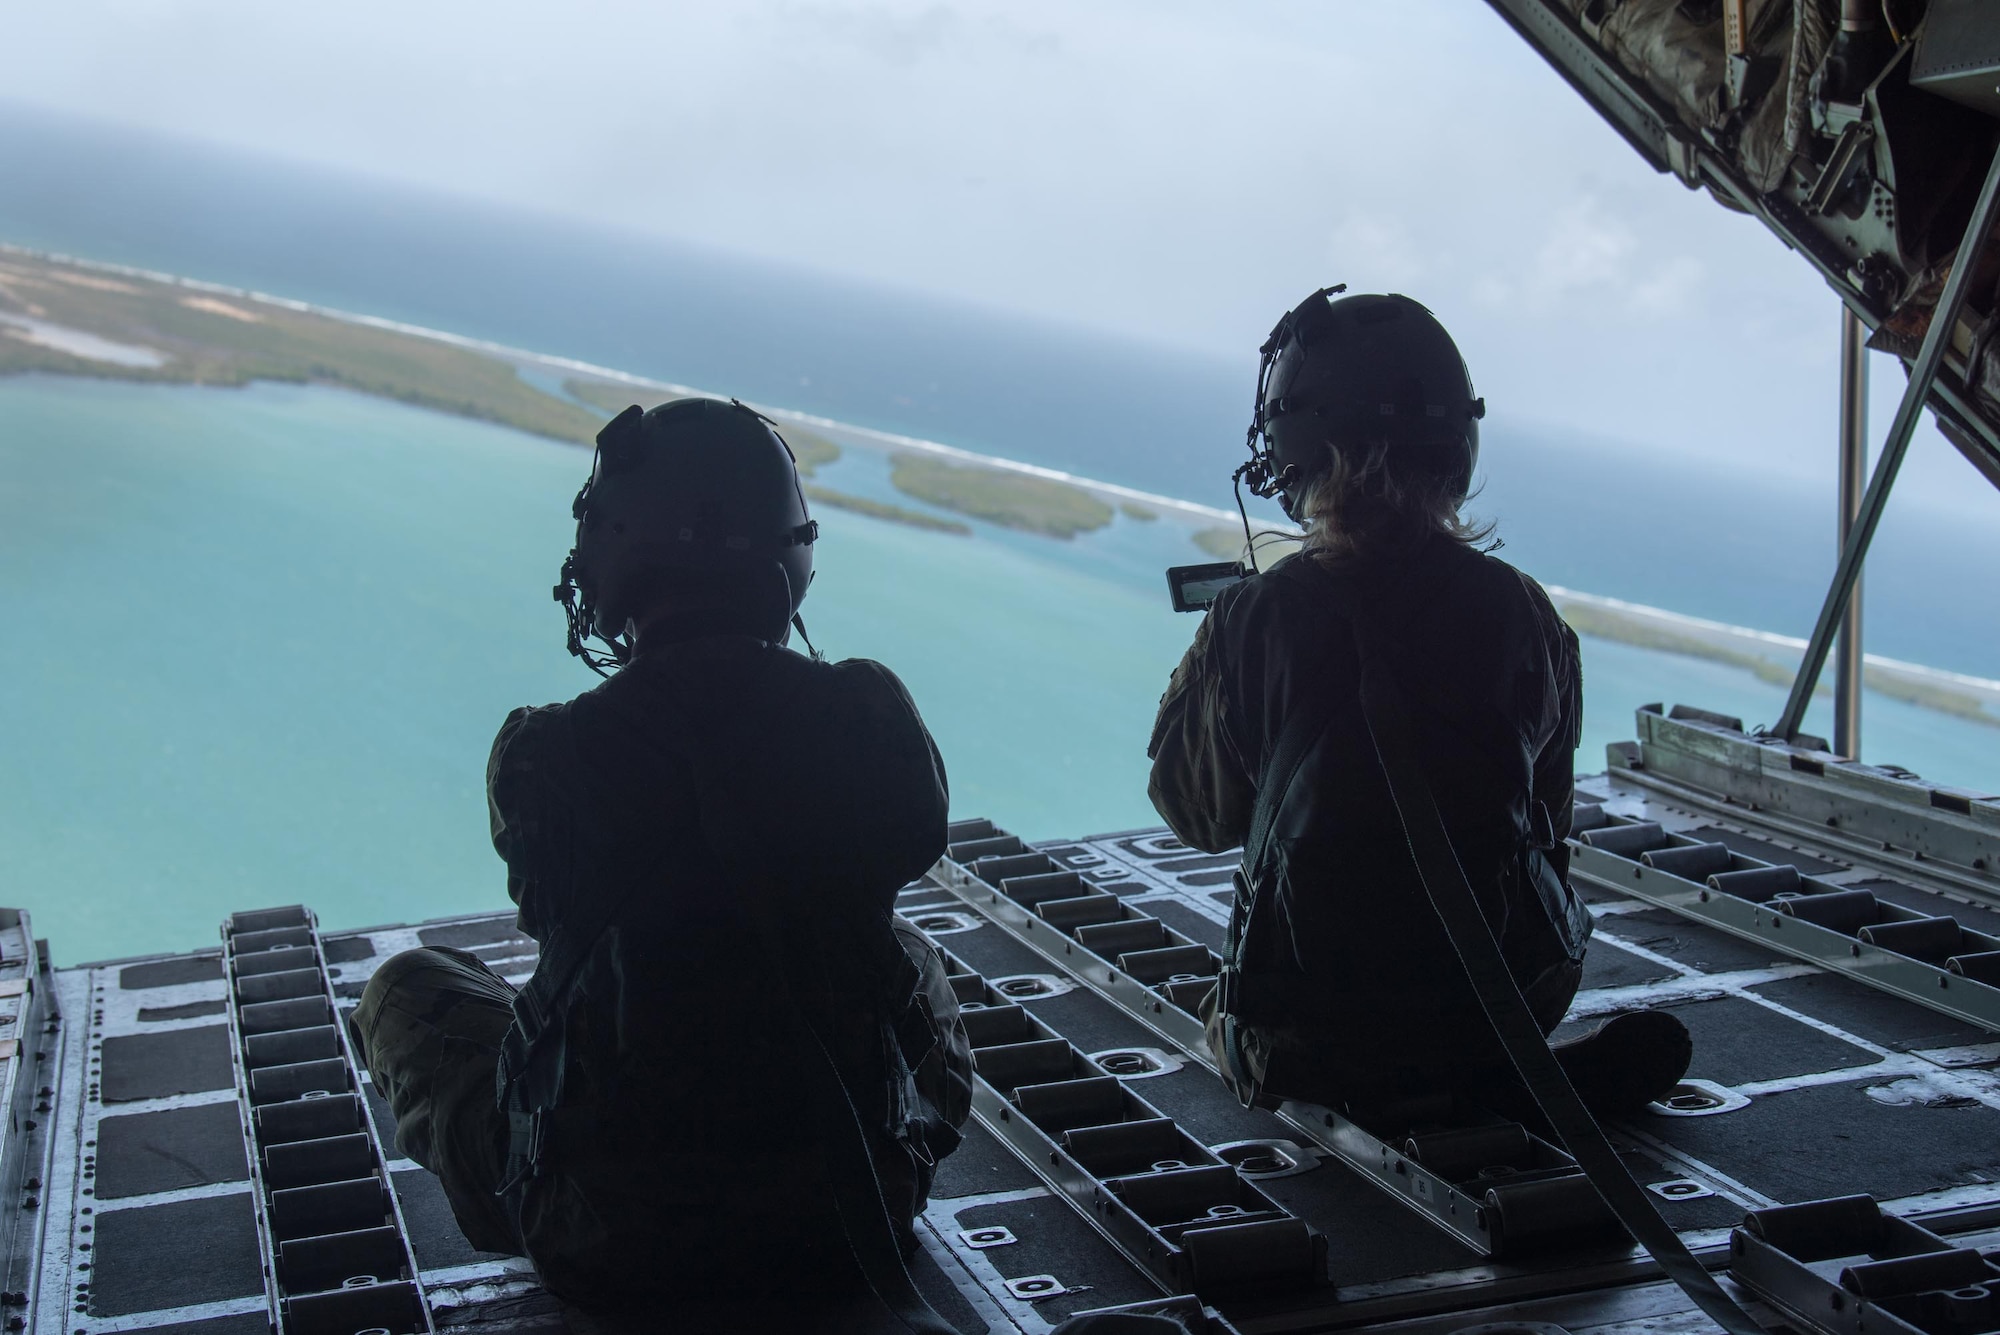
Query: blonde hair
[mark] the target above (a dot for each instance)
(1359, 504)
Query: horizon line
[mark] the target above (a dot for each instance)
(1193, 509)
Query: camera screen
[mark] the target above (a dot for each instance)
(1194, 588)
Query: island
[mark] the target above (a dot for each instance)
(65, 317)
(1000, 496)
(59, 317)
(612, 397)
(810, 449)
(1774, 662)
(1224, 543)
(68, 319)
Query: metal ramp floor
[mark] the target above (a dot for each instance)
(1807, 1083)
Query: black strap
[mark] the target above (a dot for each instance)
(1443, 880)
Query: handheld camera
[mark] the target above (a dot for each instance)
(1194, 588)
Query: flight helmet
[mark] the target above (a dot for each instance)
(1354, 371)
(694, 490)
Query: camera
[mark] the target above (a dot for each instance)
(1194, 588)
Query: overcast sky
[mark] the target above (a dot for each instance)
(1183, 171)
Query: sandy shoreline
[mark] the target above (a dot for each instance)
(1767, 655)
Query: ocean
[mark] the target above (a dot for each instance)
(259, 639)
(1746, 547)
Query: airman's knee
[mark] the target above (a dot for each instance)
(393, 973)
(418, 987)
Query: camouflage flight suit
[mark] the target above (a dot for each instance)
(1338, 969)
(750, 815)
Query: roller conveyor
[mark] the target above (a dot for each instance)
(1843, 1267)
(1487, 1182)
(1880, 877)
(336, 1255)
(1193, 1220)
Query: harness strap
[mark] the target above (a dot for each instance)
(1444, 883)
(1472, 940)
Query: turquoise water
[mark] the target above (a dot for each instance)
(1652, 526)
(258, 642)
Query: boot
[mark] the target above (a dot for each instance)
(1625, 1061)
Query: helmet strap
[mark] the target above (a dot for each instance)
(799, 625)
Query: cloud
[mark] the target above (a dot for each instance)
(1583, 255)
(1670, 288)
(1165, 168)
(1380, 252)
(1585, 250)
(892, 37)
(1592, 259)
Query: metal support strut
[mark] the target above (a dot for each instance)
(1923, 372)
(1847, 668)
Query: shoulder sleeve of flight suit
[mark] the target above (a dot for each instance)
(900, 797)
(1199, 784)
(530, 816)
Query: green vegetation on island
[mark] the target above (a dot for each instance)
(1643, 633)
(1223, 543)
(1928, 695)
(69, 319)
(1138, 513)
(66, 319)
(1607, 624)
(1014, 500)
(810, 448)
(612, 397)
(895, 514)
